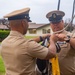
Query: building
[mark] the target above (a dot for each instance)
(3, 27)
(34, 29)
(38, 29)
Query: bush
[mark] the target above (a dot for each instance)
(3, 34)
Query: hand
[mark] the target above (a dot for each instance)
(54, 37)
(61, 37)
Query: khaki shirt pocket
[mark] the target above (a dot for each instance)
(64, 49)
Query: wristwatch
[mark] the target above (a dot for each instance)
(67, 39)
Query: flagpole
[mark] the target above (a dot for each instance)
(58, 5)
(72, 15)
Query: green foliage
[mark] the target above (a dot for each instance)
(3, 34)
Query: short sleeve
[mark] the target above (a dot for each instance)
(37, 50)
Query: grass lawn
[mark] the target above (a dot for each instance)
(2, 68)
(29, 37)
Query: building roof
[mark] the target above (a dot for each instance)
(3, 26)
(31, 26)
(35, 26)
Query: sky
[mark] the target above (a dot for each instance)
(38, 8)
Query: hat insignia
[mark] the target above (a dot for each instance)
(54, 15)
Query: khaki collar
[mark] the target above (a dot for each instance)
(16, 33)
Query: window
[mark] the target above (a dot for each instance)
(44, 31)
(32, 31)
(48, 31)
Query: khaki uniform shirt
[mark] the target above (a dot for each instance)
(19, 54)
(66, 57)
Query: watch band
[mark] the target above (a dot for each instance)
(41, 39)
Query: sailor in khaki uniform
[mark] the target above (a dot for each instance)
(19, 54)
(66, 42)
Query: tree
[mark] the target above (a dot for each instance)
(5, 22)
(70, 27)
